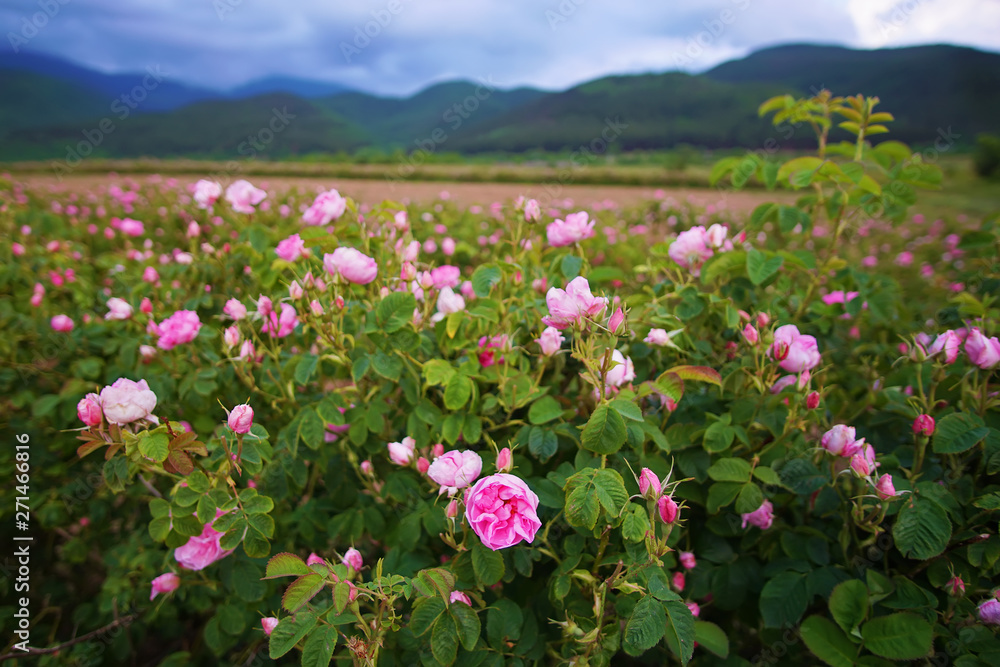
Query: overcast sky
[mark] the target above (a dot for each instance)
(412, 43)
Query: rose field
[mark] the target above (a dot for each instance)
(246, 425)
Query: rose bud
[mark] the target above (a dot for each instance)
(241, 419)
(649, 484)
(668, 509)
(924, 425)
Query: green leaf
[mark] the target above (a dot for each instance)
(469, 626)
(783, 600)
(605, 431)
(484, 278)
(609, 487)
(425, 613)
(680, 629)
(544, 410)
(582, 507)
(730, 470)
(155, 446)
(438, 372)
(301, 591)
(760, 267)
(750, 499)
(671, 385)
(542, 443)
(627, 409)
(849, 604)
(699, 373)
(305, 369)
(712, 637)
(718, 436)
(828, 642)
(922, 529)
(457, 392)
(636, 524)
(721, 494)
(957, 433)
(487, 564)
(503, 624)
(288, 632)
(312, 431)
(206, 509)
(389, 366)
(570, 266)
(198, 482)
(645, 627)
(444, 640)
(318, 649)
(902, 636)
(395, 311)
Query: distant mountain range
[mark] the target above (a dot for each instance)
(50, 108)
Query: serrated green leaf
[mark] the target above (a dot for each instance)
(318, 649)
(457, 392)
(760, 267)
(828, 642)
(645, 627)
(544, 410)
(288, 632)
(487, 564)
(730, 470)
(902, 636)
(605, 431)
(155, 446)
(302, 590)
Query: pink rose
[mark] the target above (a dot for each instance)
(62, 323)
(502, 511)
(231, 336)
(715, 237)
(126, 401)
(532, 211)
(989, 611)
(243, 196)
(983, 352)
(838, 439)
(241, 419)
(762, 517)
(649, 484)
(687, 559)
(235, 309)
(668, 509)
(455, 470)
(657, 337)
(884, 488)
(181, 327)
(327, 206)
(314, 559)
(131, 227)
(623, 370)
(89, 410)
(616, 321)
(118, 309)
(955, 587)
(447, 303)
(283, 325)
(165, 583)
(459, 596)
(803, 354)
(569, 306)
(750, 334)
(206, 193)
(947, 344)
(202, 550)
(505, 460)
(353, 265)
(924, 425)
(446, 276)
(574, 228)
(550, 341)
(863, 462)
(353, 559)
(691, 249)
(678, 581)
(269, 623)
(291, 249)
(401, 453)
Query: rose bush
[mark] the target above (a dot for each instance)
(528, 434)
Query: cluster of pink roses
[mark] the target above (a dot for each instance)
(179, 328)
(692, 248)
(651, 488)
(500, 508)
(122, 402)
(571, 230)
(982, 351)
(327, 207)
(842, 440)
